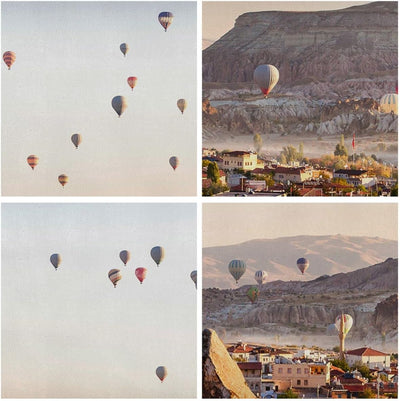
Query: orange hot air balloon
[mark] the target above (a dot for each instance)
(141, 274)
(9, 58)
(132, 82)
(63, 179)
(32, 161)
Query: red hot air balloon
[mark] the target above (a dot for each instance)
(132, 82)
(9, 58)
(141, 274)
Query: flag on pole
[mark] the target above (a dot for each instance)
(353, 142)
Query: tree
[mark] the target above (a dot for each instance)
(341, 149)
(301, 150)
(289, 393)
(290, 154)
(213, 172)
(257, 142)
(363, 369)
(367, 393)
(341, 363)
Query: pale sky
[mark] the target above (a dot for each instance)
(227, 224)
(219, 16)
(68, 68)
(69, 333)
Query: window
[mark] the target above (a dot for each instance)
(298, 370)
(299, 382)
(306, 382)
(289, 370)
(280, 370)
(306, 371)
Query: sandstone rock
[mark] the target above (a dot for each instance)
(221, 376)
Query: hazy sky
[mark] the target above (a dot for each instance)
(219, 16)
(68, 68)
(69, 333)
(227, 224)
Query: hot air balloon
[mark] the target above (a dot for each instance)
(141, 274)
(63, 179)
(124, 48)
(347, 323)
(389, 103)
(119, 104)
(76, 139)
(165, 18)
(157, 253)
(132, 82)
(302, 264)
(237, 269)
(161, 373)
(266, 76)
(261, 276)
(331, 330)
(55, 260)
(125, 256)
(174, 162)
(32, 161)
(9, 58)
(193, 276)
(114, 275)
(181, 103)
(252, 294)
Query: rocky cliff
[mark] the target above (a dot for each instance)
(296, 309)
(334, 68)
(222, 377)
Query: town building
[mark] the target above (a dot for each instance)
(368, 356)
(252, 373)
(241, 160)
(295, 175)
(355, 177)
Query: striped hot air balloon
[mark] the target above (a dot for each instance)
(174, 162)
(119, 104)
(165, 18)
(9, 58)
(32, 161)
(157, 253)
(124, 48)
(181, 103)
(55, 260)
(193, 276)
(125, 256)
(389, 103)
(63, 179)
(347, 323)
(132, 82)
(303, 264)
(261, 276)
(76, 140)
(114, 275)
(140, 273)
(237, 269)
(266, 77)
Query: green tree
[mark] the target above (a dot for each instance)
(367, 393)
(341, 149)
(213, 172)
(291, 154)
(363, 369)
(289, 393)
(341, 363)
(301, 150)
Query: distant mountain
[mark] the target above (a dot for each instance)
(329, 255)
(300, 311)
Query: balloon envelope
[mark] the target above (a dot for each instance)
(266, 76)
(125, 256)
(132, 82)
(55, 260)
(119, 104)
(165, 18)
(32, 161)
(161, 372)
(140, 273)
(76, 139)
(124, 48)
(252, 294)
(347, 323)
(157, 253)
(389, 103)
(181, 103)
(174, 162)
(261, 276)
(303, 264)
(331, 330)
(114, 275)
(63, 179)
(237, 268)
(9, 58)
(193, 276)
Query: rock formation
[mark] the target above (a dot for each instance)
(222, 377)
